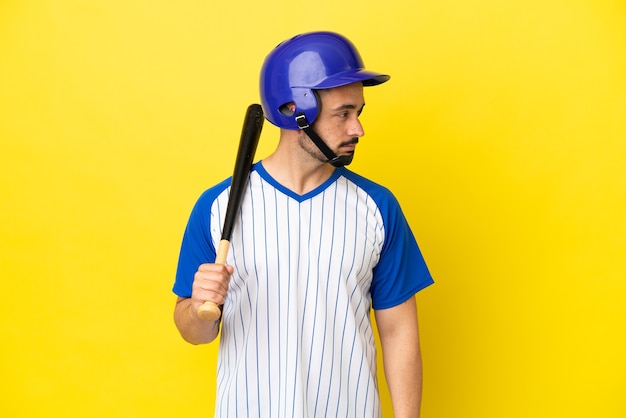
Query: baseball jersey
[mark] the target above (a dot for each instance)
(296, 337)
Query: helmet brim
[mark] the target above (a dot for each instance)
(368, 78)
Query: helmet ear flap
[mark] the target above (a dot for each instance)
(289, 109)
(307, 102)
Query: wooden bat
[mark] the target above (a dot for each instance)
(252, 125)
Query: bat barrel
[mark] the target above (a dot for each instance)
(250, 133)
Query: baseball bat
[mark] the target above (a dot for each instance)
(252, 125)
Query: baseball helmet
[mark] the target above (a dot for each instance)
(304, 63)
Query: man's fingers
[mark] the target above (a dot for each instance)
(211, 283)
(217, 268)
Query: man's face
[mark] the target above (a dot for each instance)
(338, 121)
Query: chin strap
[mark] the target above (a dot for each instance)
(335, 160)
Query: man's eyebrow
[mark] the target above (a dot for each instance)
(347, 106)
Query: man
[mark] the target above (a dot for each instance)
(315, 247)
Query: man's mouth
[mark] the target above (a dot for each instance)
(349, 145)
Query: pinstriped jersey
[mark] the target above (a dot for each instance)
(296, 338)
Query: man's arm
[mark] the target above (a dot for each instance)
(193, 329)
(210, 283)
(402, 359)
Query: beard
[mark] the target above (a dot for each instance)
(309, 147)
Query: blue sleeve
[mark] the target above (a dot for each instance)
(401, 271)
(197, 246)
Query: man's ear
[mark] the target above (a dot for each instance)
(288, 109)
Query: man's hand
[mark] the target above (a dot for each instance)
(210, 283)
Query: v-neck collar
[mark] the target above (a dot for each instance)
(258, 167)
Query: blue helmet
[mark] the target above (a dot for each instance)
(304, 63)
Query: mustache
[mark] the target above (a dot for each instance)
(351, 141)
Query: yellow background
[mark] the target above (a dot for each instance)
(502, 132)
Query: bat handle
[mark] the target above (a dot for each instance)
(210, 311)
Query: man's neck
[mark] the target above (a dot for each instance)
(297, 174)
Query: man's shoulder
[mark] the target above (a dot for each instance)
(209, 195)
(371, 187)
